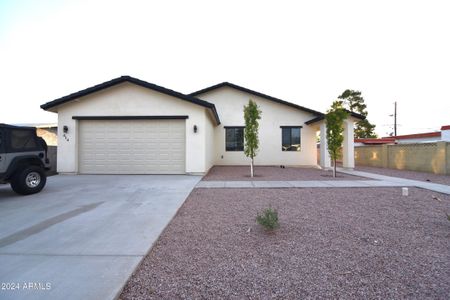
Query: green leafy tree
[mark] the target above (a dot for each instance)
(335, 128)
(252, 114)
(354, 102)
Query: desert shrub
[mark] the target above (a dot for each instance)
(268, 219)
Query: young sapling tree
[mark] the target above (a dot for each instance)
(335, 127)
(252, 114)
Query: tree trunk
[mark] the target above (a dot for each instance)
(334, 169)
(251, 169)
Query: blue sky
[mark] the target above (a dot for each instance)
(306, 52)
(13, 13)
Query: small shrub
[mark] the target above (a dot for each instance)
(268, 219)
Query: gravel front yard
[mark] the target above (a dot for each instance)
(332, 243)
(242, 173)
(422, 176)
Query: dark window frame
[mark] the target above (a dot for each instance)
(238, 147)
(290, 146)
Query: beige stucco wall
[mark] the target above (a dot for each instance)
(209, 141)
(129, 99)
(424, 157)
(230, 103)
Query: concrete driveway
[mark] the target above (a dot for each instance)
(82, 236)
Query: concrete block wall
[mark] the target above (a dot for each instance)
(447, 160)
(423, 157)
(369, 156)
(51, 154)
(414, 157)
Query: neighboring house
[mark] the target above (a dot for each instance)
(374, 141)
(47, 131)
(129, 126)
(427, 137)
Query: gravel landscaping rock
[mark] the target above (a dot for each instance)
(422, 176)
(365, 243)
(241, 173)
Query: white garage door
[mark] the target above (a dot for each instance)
(132, 147)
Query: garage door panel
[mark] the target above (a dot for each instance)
(132, 147)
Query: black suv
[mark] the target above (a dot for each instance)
(23, 159)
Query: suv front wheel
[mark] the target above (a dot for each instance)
(29, 180)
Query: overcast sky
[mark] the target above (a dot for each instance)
(306, 52)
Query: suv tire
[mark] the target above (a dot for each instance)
(29, 180)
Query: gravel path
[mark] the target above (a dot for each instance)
(365, 243)
(422, 176)
(242, 173)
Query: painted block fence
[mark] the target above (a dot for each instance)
(423, 157)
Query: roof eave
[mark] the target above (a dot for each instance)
(322, 117)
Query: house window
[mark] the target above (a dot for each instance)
(234, 138)
(290, 138)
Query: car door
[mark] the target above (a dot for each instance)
(2, 151)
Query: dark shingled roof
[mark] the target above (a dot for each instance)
(258, 94)
(136, 81)
(320, 118)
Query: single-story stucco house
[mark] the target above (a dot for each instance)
(414, 138)
(129, 126)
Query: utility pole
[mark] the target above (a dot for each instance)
(395, 118)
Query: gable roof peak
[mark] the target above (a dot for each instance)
(255, 93)
(136, 81)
